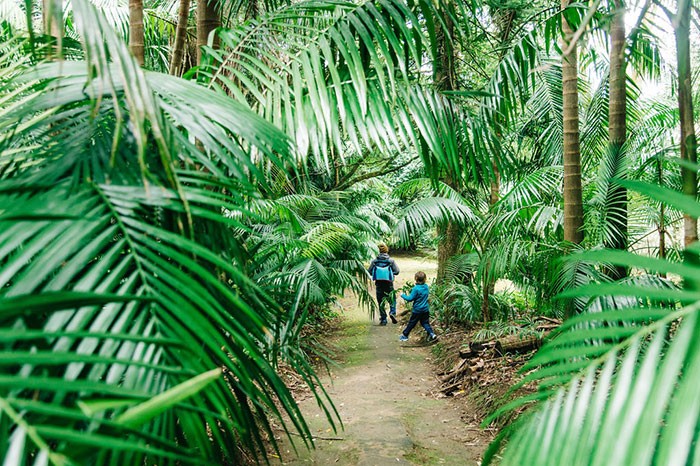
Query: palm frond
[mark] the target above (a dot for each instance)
(337, 75)
(634, 401)
(120, 277)
(430, 212)
(618, 385)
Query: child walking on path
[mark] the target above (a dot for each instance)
(421, 309)
(383, 269)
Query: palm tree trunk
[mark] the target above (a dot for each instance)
(136, 40)
(183, 17)
(207, 20)
(52, 18)
(444, 79)
(617, 131)
(681, 23)
(573, 196)
(448, 247)
(505, 18)
(662, 216)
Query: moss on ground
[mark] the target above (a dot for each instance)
(350, 343)
(423, 456)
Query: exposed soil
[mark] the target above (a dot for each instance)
(385, 393)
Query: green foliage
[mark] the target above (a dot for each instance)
(163, 245)
(305, 249)
(120, 278)
(346, 82)
(455, 304)
(499, 329)
(617, 383)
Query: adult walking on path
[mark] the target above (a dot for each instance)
(383, 269)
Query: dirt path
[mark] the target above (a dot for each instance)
(382, 390)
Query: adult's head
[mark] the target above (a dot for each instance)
(420, 277)
(383, 248)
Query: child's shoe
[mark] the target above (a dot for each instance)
(432, 337)
(393, 318)
(382, 322)
(403, 338)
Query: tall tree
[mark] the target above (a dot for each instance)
(444, 78)
(617, 131)
(573, 195)
(504, 17)
(52, 18)
(183, 17)
(207, 20)
(136, 36)
(689, 146)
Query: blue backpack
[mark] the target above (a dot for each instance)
(383, 271)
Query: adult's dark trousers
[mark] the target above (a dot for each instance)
(385, 294)
(423, 318)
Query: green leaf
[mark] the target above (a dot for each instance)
(144, 412)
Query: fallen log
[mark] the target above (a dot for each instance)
(517, 344)
(477, 347)
(549, 319)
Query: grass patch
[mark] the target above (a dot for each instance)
(423, 456)
(350, 343)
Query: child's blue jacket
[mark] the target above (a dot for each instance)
(419, 296)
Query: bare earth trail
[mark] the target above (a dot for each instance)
(382, 390)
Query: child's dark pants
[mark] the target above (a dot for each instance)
(423, 318)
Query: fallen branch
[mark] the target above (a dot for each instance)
(452, 387)
(477, 347)
(461, 369)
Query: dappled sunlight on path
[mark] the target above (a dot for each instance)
(382, 390)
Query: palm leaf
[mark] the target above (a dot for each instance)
(617, 386)
(336, 77)
(118, 268)
(430, 212)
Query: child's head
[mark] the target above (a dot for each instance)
(383, 248)
(420, 278)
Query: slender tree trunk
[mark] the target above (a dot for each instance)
(207, 20)
(448, 247)
(505, 18)
(136, 39)
(662, 216)
(183, 17)
(488, 283)
(573, 196)
(681, 23)
(495, 194)
(444, 79)
(617, 131)
(662, 233)
(52, 19)
(253, 9)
